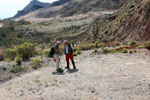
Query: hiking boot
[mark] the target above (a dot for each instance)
(67, 67)
(74, 68)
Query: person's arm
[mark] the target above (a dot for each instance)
(72, 46)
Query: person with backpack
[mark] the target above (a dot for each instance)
(56, 53)
(69, 49)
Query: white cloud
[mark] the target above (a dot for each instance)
(9, 8)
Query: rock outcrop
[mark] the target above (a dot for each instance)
(132, 22)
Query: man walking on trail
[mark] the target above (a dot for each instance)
(69, 49)
(57, 53)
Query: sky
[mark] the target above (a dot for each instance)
(9, 8)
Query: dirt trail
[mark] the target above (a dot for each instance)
(100, 77)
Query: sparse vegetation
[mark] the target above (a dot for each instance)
(147, 45)
(12, 70)
(46, 52)
(133, 43)
(36, 63)
(60, 70)
(4, 68)
(75, 54)
(18, 60)
(105, 50)
(140, 47)
(124, 50)
(10, 54)
(25, 51)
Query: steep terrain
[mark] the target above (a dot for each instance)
(32, 6)
(128, 24)
(63, 8)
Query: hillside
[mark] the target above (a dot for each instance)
(64, 8)
(32, 6)
(128, 24)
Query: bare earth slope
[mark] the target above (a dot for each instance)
(130, 23)
(100, 77)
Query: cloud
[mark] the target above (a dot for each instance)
(9, 8)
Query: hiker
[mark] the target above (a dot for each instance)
(69, 49)
(57, 53)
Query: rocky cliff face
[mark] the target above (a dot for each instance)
(130, 23)
(32, 6)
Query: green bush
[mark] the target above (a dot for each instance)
(10, 53)
(95, 51)
(36, 63)
(131, 51)
(25, 51)
(97, 45)
(133, 43)
(105, 50)
(75, 54)
(114, 51)
(16, 69)
(4, 68)
(147, 45)
(18, 60)
(19, 68)
(124, 50)
(60, 70)
(140, 47)
(12, 70)
(117, 43)
(78, 52)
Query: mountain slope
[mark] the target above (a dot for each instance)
(65, 8)
(32, 6)
(132, 22)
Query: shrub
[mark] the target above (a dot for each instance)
(38, 51)
(131, 51)
(16, 69)
(18, 60)
(105, 50)
(147, 45)
(124, 50)
(140, 47)
(25, 51)
(4, 68)
(10, 53)
(60, 70)
(12, 70)
(46, 52)
(113, 51)
(36, 63)
(133, 43)
(75, 54)
(96, 45)
(2, 55)
(117, 43)
(95, 51)
(87, 47)
(19, 68)
(78, 52)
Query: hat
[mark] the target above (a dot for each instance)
(58, 42)
(65, 41)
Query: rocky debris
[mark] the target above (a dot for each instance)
(99, 77)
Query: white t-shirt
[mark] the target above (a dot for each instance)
(67, 46)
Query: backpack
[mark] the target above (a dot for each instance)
(51, 54)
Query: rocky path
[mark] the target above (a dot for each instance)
(99, 77)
